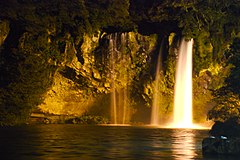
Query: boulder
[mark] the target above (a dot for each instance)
(224, 138)
(230, 128)
(221, 145)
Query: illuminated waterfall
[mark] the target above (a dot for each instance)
(112, 48)
(156, 92)
(124, 78)
(183, 87)
(119, 79)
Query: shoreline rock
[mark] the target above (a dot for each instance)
(224, 138)
(221, 145)
(41, 118)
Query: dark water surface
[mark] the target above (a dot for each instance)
(50, 142)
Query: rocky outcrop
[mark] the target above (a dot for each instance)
(4, 29)
(83, 84)
(221, 145)
(230, 128)
(224, 138)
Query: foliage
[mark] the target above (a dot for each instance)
(34, 64)
(234, 58)
(227, 98)
(201, 97)
(109, 14)
(227, 106)
(202, 58)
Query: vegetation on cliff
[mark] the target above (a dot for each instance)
(227, 98)
(40, 39)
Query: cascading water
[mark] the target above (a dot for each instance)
(156, 92)
(119, 79)
(112, 48)
(123, 98)
(182, 116)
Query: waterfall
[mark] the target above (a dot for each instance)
(124, 78)
(112, 48)
(182, 116)
(119, 78)
(156, 93)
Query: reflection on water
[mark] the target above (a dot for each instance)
(48, 142)
(184, 139)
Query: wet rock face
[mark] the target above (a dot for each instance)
(80, 88)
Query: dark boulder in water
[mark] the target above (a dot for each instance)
(224, 138)
(221, 145)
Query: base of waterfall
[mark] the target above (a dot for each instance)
(186, 126)
(117, 125)
(181, 126)
(221, 145)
